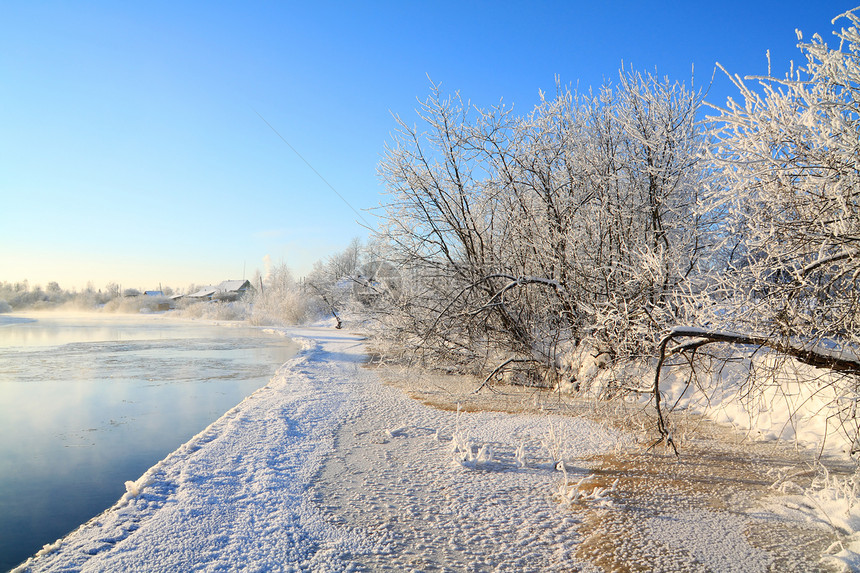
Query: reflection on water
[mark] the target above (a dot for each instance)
(88, 402)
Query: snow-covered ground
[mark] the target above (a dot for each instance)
(328, 469)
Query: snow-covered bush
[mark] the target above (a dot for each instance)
(4, 306)
(787, 155)
(20, 296)
(282, 308)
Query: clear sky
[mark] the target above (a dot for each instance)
(131, 150)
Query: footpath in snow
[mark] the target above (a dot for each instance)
(328, 469)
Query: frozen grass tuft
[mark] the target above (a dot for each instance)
(485, 454)
(520, 456)
(464, 452)
(553, 443)
(462, 449)
(583, 490)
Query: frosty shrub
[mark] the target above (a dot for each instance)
(21, 295)
(790, 197)
(520, 238)
(281, 301)
(281, 309)
(88, 299)
(213, 310)
(4, 307)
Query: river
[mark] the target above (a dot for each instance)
(89, 401)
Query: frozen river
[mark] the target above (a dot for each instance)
(90, 401)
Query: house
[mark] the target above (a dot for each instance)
(160, 305)
(237, 287)
(205, 293)
(224, 291)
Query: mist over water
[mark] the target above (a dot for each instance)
(90, 401)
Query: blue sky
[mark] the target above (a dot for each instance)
(131, 150)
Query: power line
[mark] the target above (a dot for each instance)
(312, 168)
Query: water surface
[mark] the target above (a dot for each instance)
(90, 401)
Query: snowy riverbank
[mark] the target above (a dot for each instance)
(327, 469)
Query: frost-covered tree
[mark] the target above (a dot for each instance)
(113, 290)
(520, 238)
(787, 157)
(607, 187)
(332, 280)
(440, 225)
(20, 296)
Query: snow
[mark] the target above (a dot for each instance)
(831, 503)
(327, 469)
(716, 541)
(794, 402)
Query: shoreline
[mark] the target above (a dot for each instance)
(327, 468)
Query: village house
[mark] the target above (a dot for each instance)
(224, 291)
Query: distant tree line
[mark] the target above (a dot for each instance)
(23, 296)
